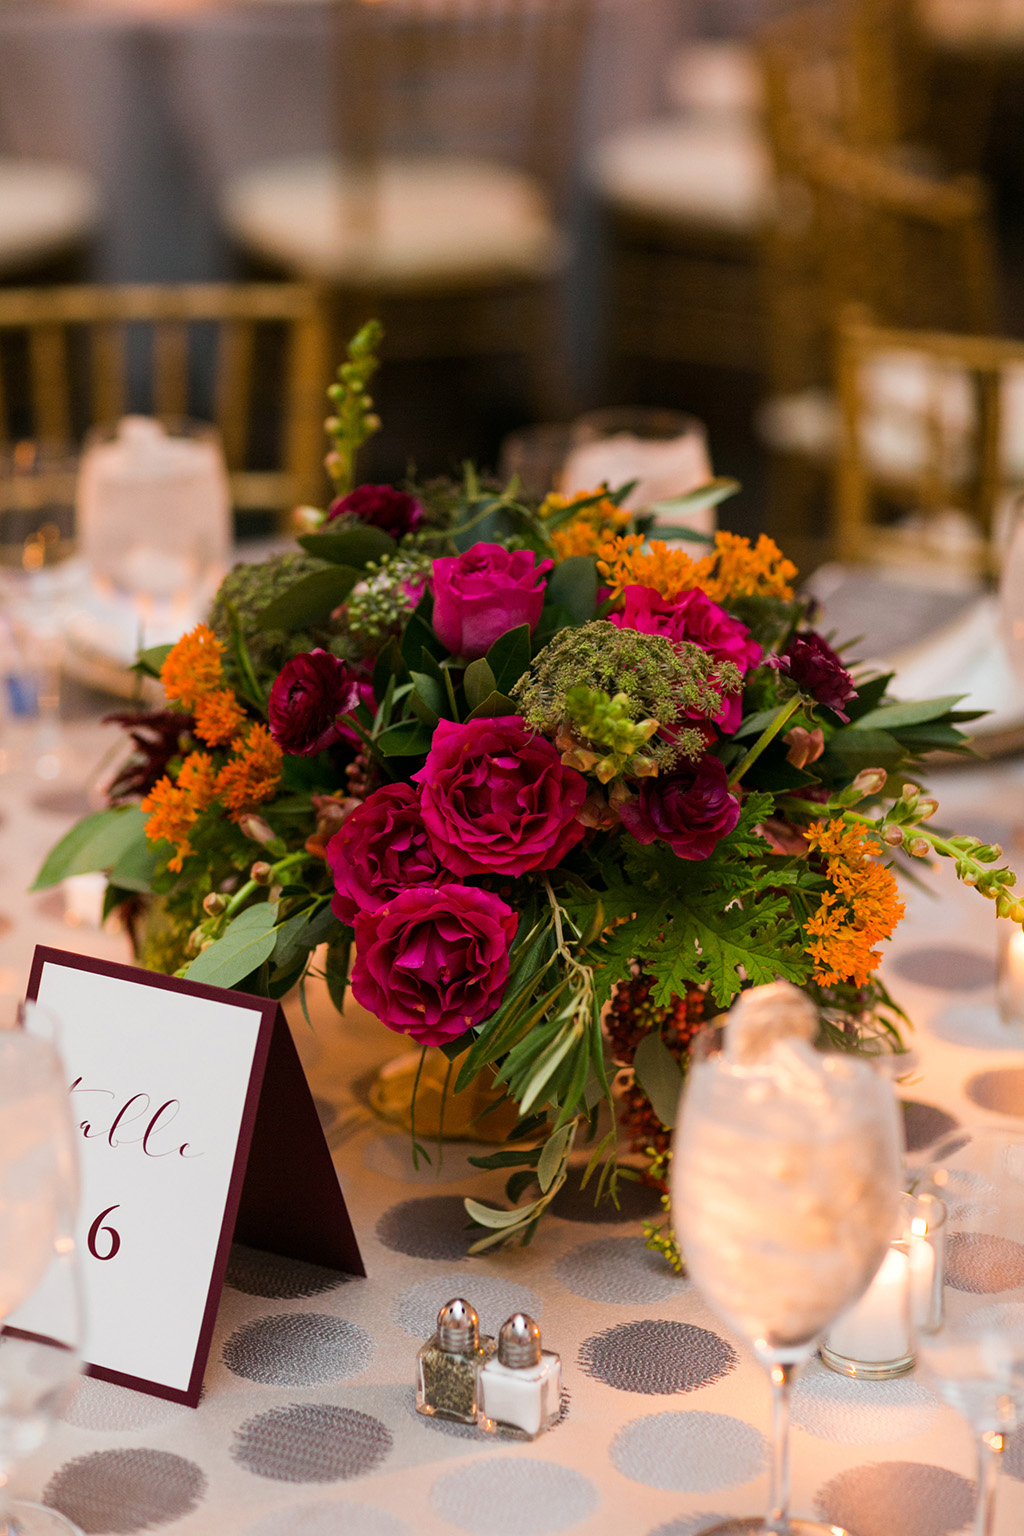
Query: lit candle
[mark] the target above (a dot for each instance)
(1010, 976)
(875, 1332)
(925, 1236)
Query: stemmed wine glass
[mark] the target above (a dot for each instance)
(785, 1194)
(976, 1358)
(38, 1196)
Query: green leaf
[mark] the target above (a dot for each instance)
(573, 585)
(488, 1216)
(389, 663)
(494, 705)
(865, 749)
(336, 967)
(888, 716)
(241, 949)
(410, 738)
(135, 869)
(150, 661)
(509, 657)
(479, 682)
(302, 933)
(707, 495)
(551, 1156)
(349, 546)
(97, 842)
(311, 600)
(428, 699)
(419, 637)
(658, 1074)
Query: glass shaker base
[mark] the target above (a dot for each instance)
(754, 1525)
(866, 1370)
(28, 1519)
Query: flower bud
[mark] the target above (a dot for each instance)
(195, 941)
(966, 874)
(307, 519)
(214, 904)
(261, 872)
(870, 781)
(909, 793)
(259, 831)
(920, 847)
(926, 807)
(893, 836)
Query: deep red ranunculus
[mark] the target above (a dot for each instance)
(816, 669)
(693, 617)
(496, 798)
(381, 506)
(483, 594)
(308, 700)
(380, 850)
(434, 961)
(691, 810)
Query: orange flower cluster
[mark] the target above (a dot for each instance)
(174, 806)
(218, 718)
(859, 912)
(253, 774)
(585, 533)
(735, 569)
(193, 667)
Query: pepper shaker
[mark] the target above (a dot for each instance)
(449, 1365)
(521, 1385)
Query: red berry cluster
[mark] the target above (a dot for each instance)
(631, 1016)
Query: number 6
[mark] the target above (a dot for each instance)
(98, 1227)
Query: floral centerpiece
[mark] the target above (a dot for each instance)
(542, 791)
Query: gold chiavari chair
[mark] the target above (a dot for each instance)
(69, 357)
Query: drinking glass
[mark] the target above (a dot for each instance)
(38, 1270)
(976, 1358)
(785, 1193)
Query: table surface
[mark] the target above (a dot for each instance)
(307, 1425)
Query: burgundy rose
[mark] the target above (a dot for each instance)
(434, 961)
(380, 850)
(309, 697)
(497, 800)
(691, 810)
(693, 617)
(816, 669)
(381, 506)
(483, 594)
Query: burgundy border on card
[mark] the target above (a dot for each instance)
(267, 1009)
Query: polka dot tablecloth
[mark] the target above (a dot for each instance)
(307, 1427)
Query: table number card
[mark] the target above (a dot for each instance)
(194, 1124)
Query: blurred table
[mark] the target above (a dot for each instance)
(307, 1426)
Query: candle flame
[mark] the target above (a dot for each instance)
(918, 1227)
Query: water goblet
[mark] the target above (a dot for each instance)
(785, 1194)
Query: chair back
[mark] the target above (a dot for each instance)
(72, 357)
(928, 420)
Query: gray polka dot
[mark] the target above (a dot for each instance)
(688, 1525)
(99, 1405)
(636, 1201)
(298, 1349)
(392, 1157)
(619, 1270)
(416, 1309)
(125, 1490)
(1001, 1090)
(522, 1496)
(923, 1124)
(850, 1412)
(952, 969)
(655, 1356)
(334, 1519)
(270, 1275)
(980, 1263)
(906, 1496)
(975, 1024)
(311, 1443)
(431, 1228)
(689, 1452)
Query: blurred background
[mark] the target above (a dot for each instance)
(788, 237)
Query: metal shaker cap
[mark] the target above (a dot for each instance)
(458, 1327)
(519, 1342)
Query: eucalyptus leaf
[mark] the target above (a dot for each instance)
(658, 1074)
(551, 1156)
(349, 546)
(487, 1216)
(311, 600)
(98, 842)
(241, 949)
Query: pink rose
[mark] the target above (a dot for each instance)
(691, 810)
(694, 617)
(308, 700)
(497, 800)
(483, 594)
(381, 506)
(380, 850)
(434, 961)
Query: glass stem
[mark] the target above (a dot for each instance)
(783, 1374)
(990, 1451)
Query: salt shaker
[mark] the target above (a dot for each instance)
(449, 1365)
(521, 1385)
